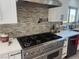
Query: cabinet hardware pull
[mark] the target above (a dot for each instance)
(15, 54)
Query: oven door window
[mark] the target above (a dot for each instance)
(53, 55)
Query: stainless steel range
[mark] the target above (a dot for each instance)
(41, 46)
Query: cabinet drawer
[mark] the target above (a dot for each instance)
(14, 53)
(4, 56)
(18, 56)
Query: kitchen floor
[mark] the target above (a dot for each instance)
(75, 56)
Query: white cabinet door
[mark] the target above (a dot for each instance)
(8, 11)
(0, 13)
(59, 13)
(4, 56)
(78, 47)
(15, 55)
(18, 56)
(11, 57)
(54, 15)
(64, 51)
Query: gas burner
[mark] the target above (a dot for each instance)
(31, 40)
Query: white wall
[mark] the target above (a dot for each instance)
(74, 3)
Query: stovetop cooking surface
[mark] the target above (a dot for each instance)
(31, 40)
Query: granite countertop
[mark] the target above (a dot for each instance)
(14, 46)
(67, 33)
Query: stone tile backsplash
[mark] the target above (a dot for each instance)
(28, 16)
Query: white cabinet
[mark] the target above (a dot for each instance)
(11, 55)
(54, 15)
(4, 56)
(0, 14)
(59, 13)
(15, 55)
(18, 56)
(78, 47)
(8, 12)
(64, 51)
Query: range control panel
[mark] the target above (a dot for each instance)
(41, 49)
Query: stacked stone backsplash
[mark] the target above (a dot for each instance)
(28, 16)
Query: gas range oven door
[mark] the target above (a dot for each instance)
(55, 54)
